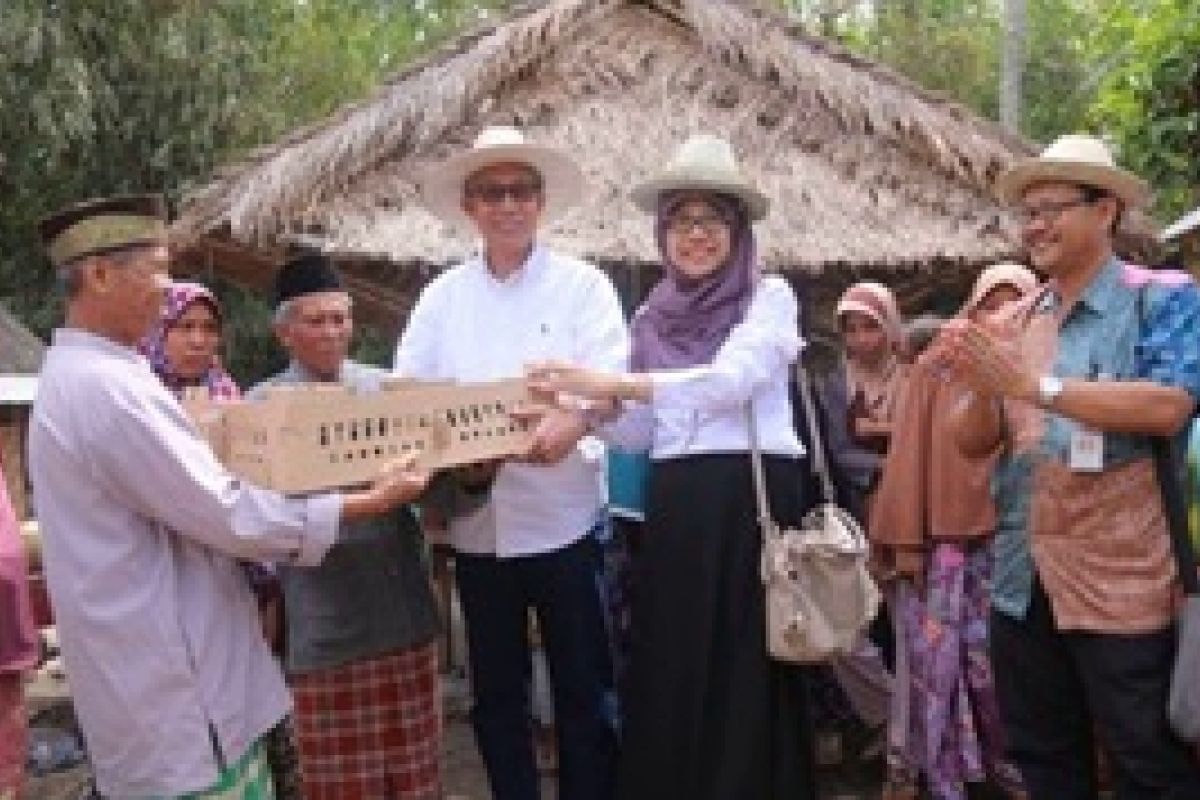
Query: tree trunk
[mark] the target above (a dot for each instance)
(1012, 63)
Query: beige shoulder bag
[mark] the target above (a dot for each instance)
(819, 596)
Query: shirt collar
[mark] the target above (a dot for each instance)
(296, 372)
(86, 340)
(1104, 288)
(531, 267)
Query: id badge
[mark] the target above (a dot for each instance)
(1087, 450)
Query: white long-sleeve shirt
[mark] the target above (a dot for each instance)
(470, 326)
(141, 527)
(702, 409)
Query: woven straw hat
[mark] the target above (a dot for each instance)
(1074, 159)
(442, 188)
(706, 163)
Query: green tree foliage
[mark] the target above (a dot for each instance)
(1149, 100)
(1129, 71)
(99, 97)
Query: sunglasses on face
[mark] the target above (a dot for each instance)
(495, 193)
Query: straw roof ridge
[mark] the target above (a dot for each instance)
(314, 174)
(411, 109)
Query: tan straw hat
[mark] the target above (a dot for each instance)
(706, 163)
(442, 187)
(1078, 159)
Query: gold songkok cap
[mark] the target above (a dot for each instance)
(95, 227)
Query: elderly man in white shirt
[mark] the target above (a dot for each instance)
(529, 545)
(172, 682)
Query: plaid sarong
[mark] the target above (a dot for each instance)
(248, 779)
(371, 728)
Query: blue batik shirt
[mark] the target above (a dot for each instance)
(1123, 327)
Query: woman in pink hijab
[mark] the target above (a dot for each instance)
(18, 649)
(931, 525)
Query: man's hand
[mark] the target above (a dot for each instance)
(399, 482)
(478, 476)
(557, 432)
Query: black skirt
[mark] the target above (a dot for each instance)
(708, 714)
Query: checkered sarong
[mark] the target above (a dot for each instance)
(371, 728)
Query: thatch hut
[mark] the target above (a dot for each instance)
(21, 354)
(1185, 232)
(871, 175)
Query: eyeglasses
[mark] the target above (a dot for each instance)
(494, 193)
(1047, 212)
(708, 224)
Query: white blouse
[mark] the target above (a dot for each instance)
(702, 409)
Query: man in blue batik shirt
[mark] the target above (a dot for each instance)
(1072, 386)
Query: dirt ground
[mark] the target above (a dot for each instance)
(464, 776)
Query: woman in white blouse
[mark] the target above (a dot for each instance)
(707, 713)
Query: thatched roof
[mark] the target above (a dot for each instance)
(21, 351)
(1187, 225)
(865, 168)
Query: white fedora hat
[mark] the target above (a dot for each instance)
(707, 163)
(442, 186)
(1074, 159)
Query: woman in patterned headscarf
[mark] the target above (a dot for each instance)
(184, 348)
(184, 351)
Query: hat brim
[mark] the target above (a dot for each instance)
(856, 307)
(442, 187)
(1129, 188)
(646, 195)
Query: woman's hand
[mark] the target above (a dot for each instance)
(559, 377)
(988, 361)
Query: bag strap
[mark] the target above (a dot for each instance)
(816, 450)
(1167, 465)
(766, 522)
(817, 445)
(1168, 469)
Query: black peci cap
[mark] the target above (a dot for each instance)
(307, 272)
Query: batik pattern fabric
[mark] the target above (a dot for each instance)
(954, 734)
(1128, 324)
(371, 728)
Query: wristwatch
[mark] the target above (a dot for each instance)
(1048, 389)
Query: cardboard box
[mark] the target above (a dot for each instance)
(311, 437)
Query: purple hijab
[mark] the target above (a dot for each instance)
(684, 322)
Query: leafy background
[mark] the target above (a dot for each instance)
(99, 97)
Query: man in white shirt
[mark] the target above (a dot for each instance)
(172, 682)
(528, 546)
